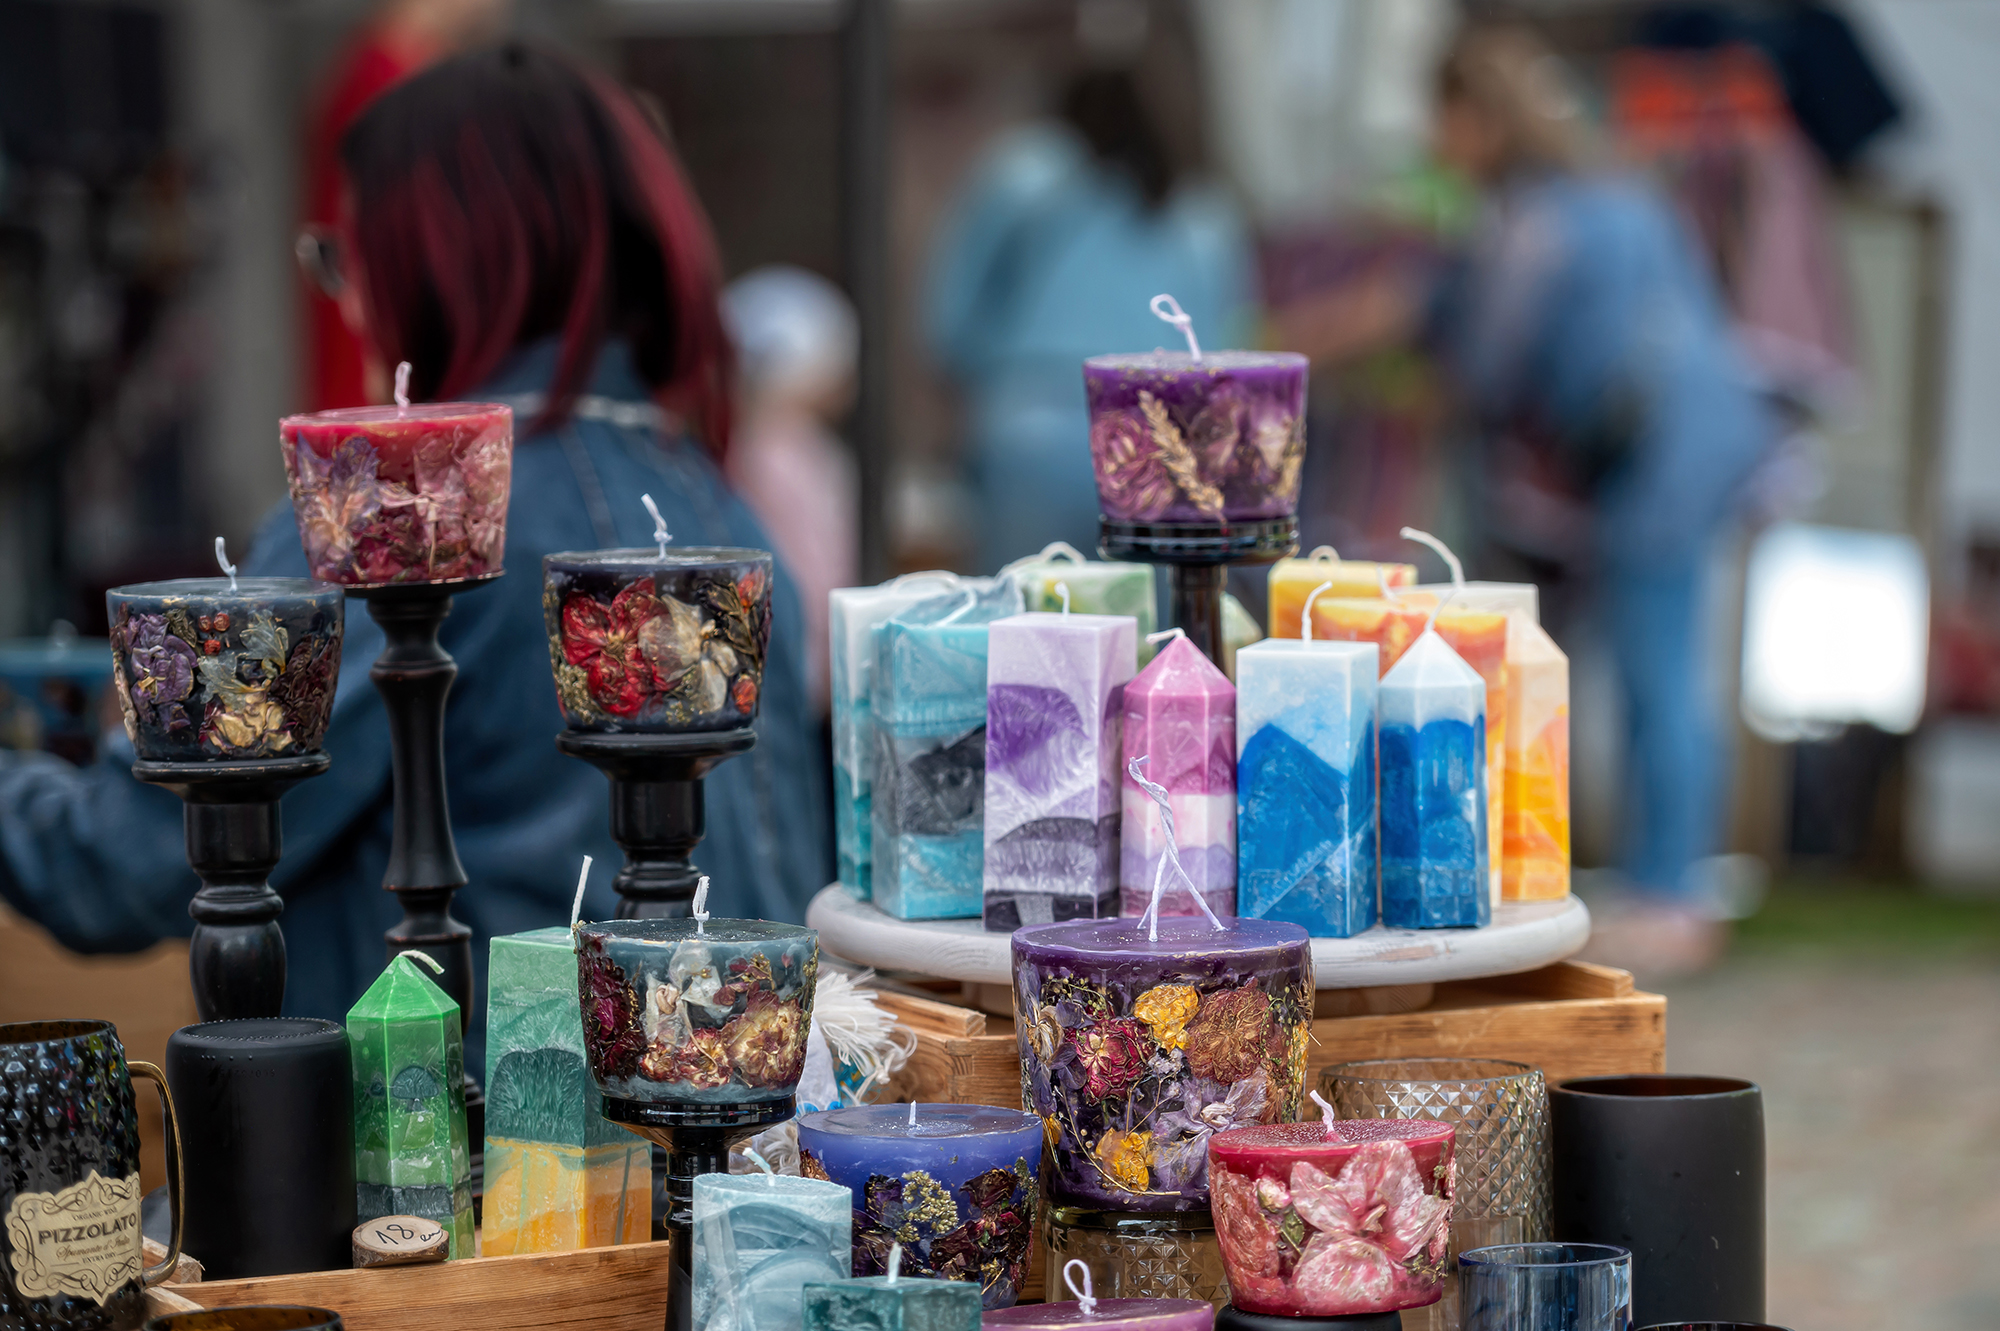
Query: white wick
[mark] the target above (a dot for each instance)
(1173, 854)
(895, 1261)
(700, 911)
(1450, 559)
(1324, 554)
(913, 1113)
(576, 907)
(660, 532)
(403, 385)
(1084, 1298)
(1063, 587)
(1325, 1110)
(1306, 615)
(414, 955)
(1166, 308)
(761, 1163)
(222, 558)
(1175, 632)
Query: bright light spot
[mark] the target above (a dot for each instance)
(1836, 629)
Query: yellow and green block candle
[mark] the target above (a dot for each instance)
(411, 1155)
(558, 1175)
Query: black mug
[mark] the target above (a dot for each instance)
(70, 1246)
(1671, 1167)
(259, 1317)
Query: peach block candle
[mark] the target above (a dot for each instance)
(1535, 844)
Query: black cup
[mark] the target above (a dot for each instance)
(70, 1253)
(1671, 1167)
(268, 1105)
(264, 1317)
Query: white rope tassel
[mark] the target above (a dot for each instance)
(1306, 615)
(1173, 855)
(660, 532)
(1084, 1298)
(1169, 310)
(857, 1032)
(222, 558)
(402, 385)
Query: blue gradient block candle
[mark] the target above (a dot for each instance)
(1432, 712)
(1305, 784)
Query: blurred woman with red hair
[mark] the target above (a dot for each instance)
(519, 232)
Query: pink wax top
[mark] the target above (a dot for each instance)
(401, 494)
(1109, 1315)
(1174, 439)
(1180, 715)
(1315, 1223)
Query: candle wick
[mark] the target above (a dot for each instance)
(1306, 615)
(1325, 1112)
(1324, 554)
(1382, 583)
(403, 386)
(913, 1113)
(1172, 855)
(971, 599)
(222, 558)
(700, 908)
(660, 532)
(1175, 632)
(895, 1261)
(1063, 587)
(576, 907)
(762, 1164)
(1167, 309)
(1084, 1297)
(415, 954)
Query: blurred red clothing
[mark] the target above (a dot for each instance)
(375, 60)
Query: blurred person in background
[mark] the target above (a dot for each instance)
(797, 342)
(1062, 235)
(1590, 342)
(520, 232)
(398, 38)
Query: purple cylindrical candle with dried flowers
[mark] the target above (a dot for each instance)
(658, 640)
(212, 669)
(1216, 439)
(1136, 1050)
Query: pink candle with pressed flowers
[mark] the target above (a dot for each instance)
(1137, 1049)
(401, 494)
(1333, 1218)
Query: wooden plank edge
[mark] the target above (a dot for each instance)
(439, 1284)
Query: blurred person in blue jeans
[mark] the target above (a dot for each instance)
(1589, 339)
(1063, 234)
(519, 232)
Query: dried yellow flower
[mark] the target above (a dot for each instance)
(1166, 1010)
(1127, 1158)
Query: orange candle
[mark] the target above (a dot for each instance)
(1535, 841)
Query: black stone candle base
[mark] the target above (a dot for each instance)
(657, 810)
(1230, 1318)
(696, 1139)
(1198, 556)
(236, 958)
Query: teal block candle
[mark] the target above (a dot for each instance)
(759, 1240)
(410, 1151)
(879, 1303)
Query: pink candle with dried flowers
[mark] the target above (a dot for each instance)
(1137, 1049)
(401, 494)
(1333, 1218)
(659, 640)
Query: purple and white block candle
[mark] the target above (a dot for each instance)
(1180, 715)
(1055, 687)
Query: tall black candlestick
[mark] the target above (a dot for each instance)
(1198, 556)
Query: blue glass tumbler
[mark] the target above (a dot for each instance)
(1546, 1287)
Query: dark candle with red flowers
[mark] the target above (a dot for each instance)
(649, 642)
(391, 495)
(1334, 1219)
(1138, 1050)
(205, 669)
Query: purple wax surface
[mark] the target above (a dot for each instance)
(1139, 1050)
(1110, 1315)
(1218, 440)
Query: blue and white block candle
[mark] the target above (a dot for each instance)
(1055, 689)
(1432, 713)
(1305, 784)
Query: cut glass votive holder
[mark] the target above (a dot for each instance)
(1545, 1287)
(1138, 1255)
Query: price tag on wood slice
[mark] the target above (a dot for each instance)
(399, 1240)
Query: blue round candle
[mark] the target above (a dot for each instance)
(954, 1184)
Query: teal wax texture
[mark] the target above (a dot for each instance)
(759, 1240)
(877, 1303)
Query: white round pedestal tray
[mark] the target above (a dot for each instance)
(1523, 936)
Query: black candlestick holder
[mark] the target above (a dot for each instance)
(658, 814)
(695, 1140)
(236, 958)
(1198, 556)
(414, 675)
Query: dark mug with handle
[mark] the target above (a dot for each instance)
(70, 1251)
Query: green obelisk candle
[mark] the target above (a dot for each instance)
(410, 1152)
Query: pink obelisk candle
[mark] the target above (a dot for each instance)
(1180, 715)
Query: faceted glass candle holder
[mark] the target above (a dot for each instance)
(1137, 1256)
(206, 671)
(680, 1013)
(1173, 439)
(1545, 1287)
(877, 1303)
(1501, 1112)
(759, 1240)
(654, 643)
(401, 494)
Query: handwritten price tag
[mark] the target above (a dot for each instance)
(395, 1240)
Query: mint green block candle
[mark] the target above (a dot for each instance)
(410, 1151)
(877, 1303)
